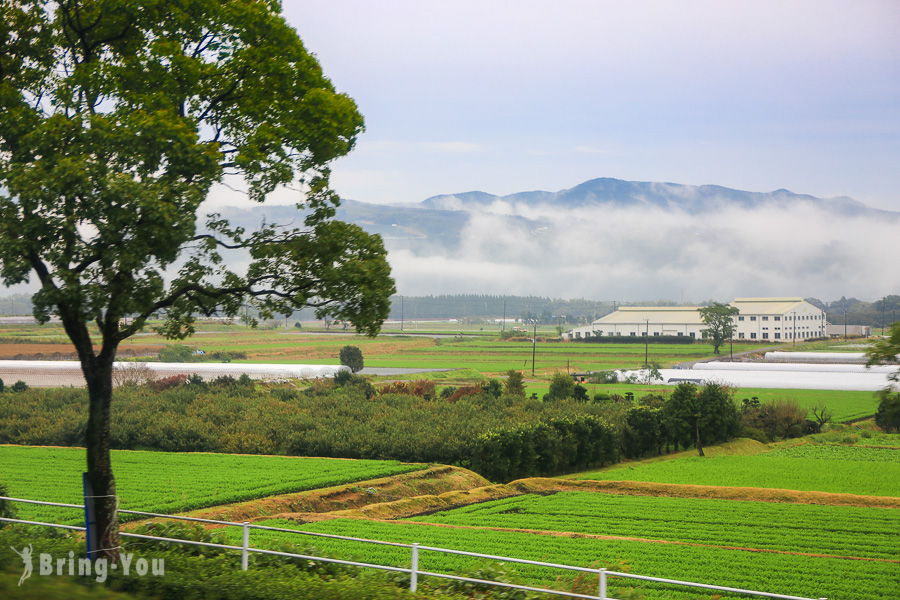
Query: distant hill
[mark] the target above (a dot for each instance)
(436, 224)
(617, 240)
(668, 196)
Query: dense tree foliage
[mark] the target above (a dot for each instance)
(561, 386)
(859, 312)
(515, 383)
(719, 320)
(888, 415)
(480, 306)
(352, 356)
(701, 415)
(886, 351)
(118, 118)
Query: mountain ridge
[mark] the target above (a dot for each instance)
(666, 195)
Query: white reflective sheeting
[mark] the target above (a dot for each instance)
(62, 373)
(817, 357)
(810, 367)
(800, 380)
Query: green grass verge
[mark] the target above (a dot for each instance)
(815, 469)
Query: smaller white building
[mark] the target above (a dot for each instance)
(759, 319)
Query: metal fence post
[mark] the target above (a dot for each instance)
(601, 592)
(245, 555)
(414, 569)
(90, 517)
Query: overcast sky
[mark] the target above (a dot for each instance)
(510, 96)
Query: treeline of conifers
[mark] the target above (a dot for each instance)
(496, 434)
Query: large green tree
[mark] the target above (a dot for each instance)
(719, 321)
(117, 118)
(886, 351)
(700, 415)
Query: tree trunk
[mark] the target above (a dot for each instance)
(99, 467)
(699, 443)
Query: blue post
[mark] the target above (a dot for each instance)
(90, 517)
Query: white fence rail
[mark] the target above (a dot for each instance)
(414, 571)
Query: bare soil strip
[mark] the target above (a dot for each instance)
(425, 483)
(422, 505)
(442, 488)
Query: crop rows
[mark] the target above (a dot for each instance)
(172, 482)
(865, 478)
(814, 577)
(802, 528)
(838, 452)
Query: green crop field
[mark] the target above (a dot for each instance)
(823, 468)
(802, 528)
(167, 482)
(796, 574)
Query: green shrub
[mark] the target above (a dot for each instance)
(328, 420)
(561, 386)
(7, 507)
(177, 353)
(888, 415)
(351, 356)
(515, 383)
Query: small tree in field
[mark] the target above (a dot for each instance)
(352, 357)
(515, 383)
(561, 386)
(719, 320)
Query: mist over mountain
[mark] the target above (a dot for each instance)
(609, 239)
(667, 196)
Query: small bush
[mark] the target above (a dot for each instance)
(561, 386)
(167, 383)
(423, 388)
(7, 508)
(493, 387)
(19, 386)
(352, 357)
(604, 377)
(464, 391)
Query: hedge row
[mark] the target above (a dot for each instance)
(636, 339)
(340, 423)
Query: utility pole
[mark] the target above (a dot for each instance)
(503, 324)
(401, 313)
(647, 344)
(533, 346)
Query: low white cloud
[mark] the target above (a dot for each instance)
(649, 253)
(590, 150)
(453, 147)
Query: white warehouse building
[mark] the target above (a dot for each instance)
(770, 319)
